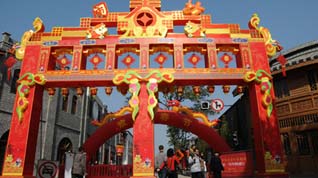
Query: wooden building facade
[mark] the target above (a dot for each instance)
(297, 107)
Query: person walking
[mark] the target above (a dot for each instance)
(171, 164)
(79, 164)
(159, 159)
(216, 165)
(203, 166)
(195, 165)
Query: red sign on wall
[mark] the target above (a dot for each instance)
(237, 163)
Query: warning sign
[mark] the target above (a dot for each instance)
(48, 169)
(217, 105)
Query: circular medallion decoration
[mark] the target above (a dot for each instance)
(145, 19)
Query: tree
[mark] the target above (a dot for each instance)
(179, 138)
(224, 129)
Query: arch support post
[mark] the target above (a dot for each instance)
(21, 146)
(143, 140)
(267, 143)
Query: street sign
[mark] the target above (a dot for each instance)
(47, 169)
(217, 105)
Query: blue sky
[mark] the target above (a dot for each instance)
(291, 22)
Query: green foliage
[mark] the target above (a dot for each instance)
(179, 138)
(224, 129)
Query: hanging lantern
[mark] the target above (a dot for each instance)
(196, 90)
(65, 92)
(63, 62)
(79, 91)
(226, 89)
(123, 89)
(282, 60)
(51, 91)
(180, 90)
(95, 60)
(119, 150)
(161, 59)
(226, 59)
(108, 90)
(128, 60)
(194, 59)
(239, 89)
(211, 89)
(93, 91)
(166, 89)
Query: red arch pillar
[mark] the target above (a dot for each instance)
(267, 142)
(21, 146)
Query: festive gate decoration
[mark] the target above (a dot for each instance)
(89, 55)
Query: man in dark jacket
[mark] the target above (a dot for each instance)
(216, 165)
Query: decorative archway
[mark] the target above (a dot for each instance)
(170, 118)
(58, 59)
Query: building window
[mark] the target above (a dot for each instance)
(74, 104)
(281, 88)
(286, 143)
(312, 79)
(64, 103)
(65, 145)
(15, 77)
(303, 143)
(314, 141)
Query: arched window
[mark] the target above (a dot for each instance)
(3, 144)
(74, 104)
(64, 103)
(65, 145)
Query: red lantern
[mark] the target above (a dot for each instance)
(63, 62)
(196, 90)
(226, 89)
(180, 90)
(119, 150)
(51, 91)
(128, 60)
(108, 90)
(161, 59)
(95, 60)
(93, 91)
(65, 92)
(282, 60)
(226, 59)
(239, 89)
(194, 59)
(79, 91)
(211, 89)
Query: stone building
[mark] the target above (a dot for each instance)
(65, 119)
